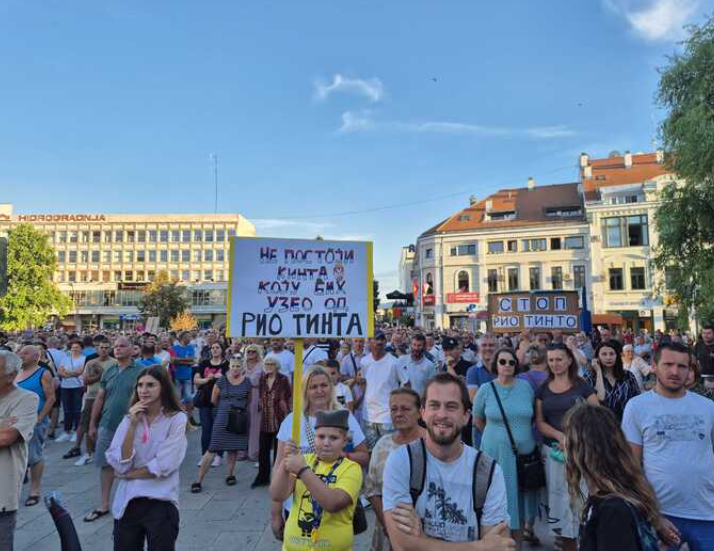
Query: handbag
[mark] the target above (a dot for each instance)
(529, 467)
(237, 421)
(202, 398)
(359, 518)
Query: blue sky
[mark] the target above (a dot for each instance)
(320, 108)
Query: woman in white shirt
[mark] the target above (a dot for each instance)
(70, 372)
(146, 453)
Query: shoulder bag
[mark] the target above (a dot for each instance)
(531, 473)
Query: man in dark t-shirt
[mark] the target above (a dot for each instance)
(704, 351)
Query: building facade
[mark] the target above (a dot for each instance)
(597, 233)
(104, 261)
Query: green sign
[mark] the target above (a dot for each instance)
(3, 266)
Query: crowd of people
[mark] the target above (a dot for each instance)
(466, 439)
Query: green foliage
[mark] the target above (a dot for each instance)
(164, 299)
(375, 294)
(685, 220)
(32, 297)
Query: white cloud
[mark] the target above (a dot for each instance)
(372, 88)
(364, 121)
(656, 19)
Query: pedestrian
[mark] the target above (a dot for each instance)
(207, 373)
(621, 509)
(635, 365)
(561, 391)
(275, 402)
(324, 487)
(536, 358)
(183, 360)
(671, 432)
(382, 374)
(614, 385)
(231, 396)
(286, 358)
(317, 395)
(704, 351)
(253, 365)
(148, 356)
(405, 412)
(38, 380)
(110, 406)
(18, 417)
(418, 368)
(461, 495)
(343, 394)
(313, 353)
(146, 452)
(70, 374)
(506, 404)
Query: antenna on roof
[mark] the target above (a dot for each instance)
(214, 159)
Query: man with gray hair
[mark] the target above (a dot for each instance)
(18, 414)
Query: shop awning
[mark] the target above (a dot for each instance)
(608, 319)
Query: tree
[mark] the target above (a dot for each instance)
(32, 297)
(185, 321)
(164, 299)
(375, 294)
(685, 220)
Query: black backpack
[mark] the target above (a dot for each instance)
(480, 480)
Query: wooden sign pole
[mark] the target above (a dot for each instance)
(297, 391)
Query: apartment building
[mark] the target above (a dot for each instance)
(105, 260)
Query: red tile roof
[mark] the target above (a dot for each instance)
(613, 172)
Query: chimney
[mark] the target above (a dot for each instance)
(584, 160)
(628, 159)
(587, 172)
(473, 200)
(489, 205)
(531, 182)
(660, 155)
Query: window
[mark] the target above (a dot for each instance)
(128, 275)
(197, 256)
(94, 275)
(513, 279)
(532, 245)
(463, 250)
(198, 235)
(141, 236)
(95, 257)
(141, 256)
(231, 233)
(429, 285)
(616, 283)
(152, 256)
(512, 246)
(73, 237)
(118, 236)
(150, 275)
(670, 275)
(625, 231)
(208, 255)
(106, 257)
(72, 277)
(534, 278)
(464, 218)
(556, 277)
(428, 253)
(186, 237)
(128, 257)
(555, 243)
(106, 276)
(184, 275)
(563, 212)
(579, 276)
(495, 247)
(220, 255)
(84, 236)
(117, 275)
(195, 275)
(61, 257)
(462, 282)
(164, 236)
(220, 236)
(130, 234)
(62, 237)
(637, 279)
(96, 237)
(175, 236)
(174, 275)
(174, 256)
(73, 257)
(208, 275)
(185, 256)
(116, 256)
(208, 236)
(492, 279)
(152, 236)
(164, 256)
(575, 242)
(84, 256)
(504, 215)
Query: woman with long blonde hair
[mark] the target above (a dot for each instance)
(621, 509)
(317, 395)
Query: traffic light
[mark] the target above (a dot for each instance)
(3, 266)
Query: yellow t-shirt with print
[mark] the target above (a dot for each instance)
(335, 531)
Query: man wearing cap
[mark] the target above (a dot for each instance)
(418, 368)
(456, 365)
(382, 374)
(325, 487)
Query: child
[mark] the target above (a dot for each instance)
(324, 487)
(343, 394)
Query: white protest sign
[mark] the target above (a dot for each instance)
(299, 288)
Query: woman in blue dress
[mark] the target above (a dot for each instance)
(517, 399)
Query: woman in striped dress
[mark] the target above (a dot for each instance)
(233, 390)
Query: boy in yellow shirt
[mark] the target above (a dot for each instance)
(325, 487)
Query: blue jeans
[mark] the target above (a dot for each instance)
(206, 415)
(72, 403)
(698, 534)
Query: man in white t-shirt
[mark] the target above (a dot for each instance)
(343, 394)
(382, 374)
(445, 507)
(349, 364)
(418, 368)
(286, 358)
(434, 352)
(672, 432)
(313, 354)
(163, 351)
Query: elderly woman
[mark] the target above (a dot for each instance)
(635, 365)
(317, 395)
(253, 365)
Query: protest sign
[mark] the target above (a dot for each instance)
(537, 310)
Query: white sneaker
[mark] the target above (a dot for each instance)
(64, 437)
(216, 461)
(86, 458)
(256, 465)
(200, 462)
(73, 438)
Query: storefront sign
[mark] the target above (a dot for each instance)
(538, 310)
(461, 298)
(61, 218)
(299, 288)
(428, 300)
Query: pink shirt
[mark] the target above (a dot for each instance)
(161, 448)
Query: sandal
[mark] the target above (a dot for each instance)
(74, 452)
(94, 515)
(32, 500)
(230, 480)
(196, 488)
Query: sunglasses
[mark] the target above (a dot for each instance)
(503, 361)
